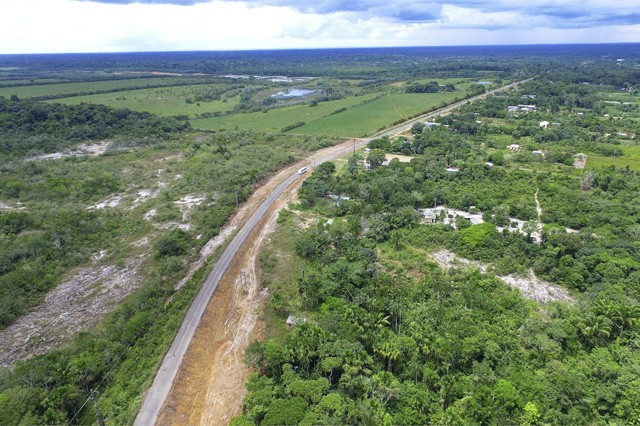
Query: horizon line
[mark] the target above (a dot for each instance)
(317, 48)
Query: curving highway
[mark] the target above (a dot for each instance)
(159, 390)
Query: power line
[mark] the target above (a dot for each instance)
(97, 387)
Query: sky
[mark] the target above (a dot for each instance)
(69, 26)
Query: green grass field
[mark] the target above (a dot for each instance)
(83, 87)
(163, 101)
(365, 120)
(356, 120)
(26, 81)
(276, 119)
(596, 161)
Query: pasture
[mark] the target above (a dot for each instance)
(276, 119)
(367, 119)
(63, 89)
(162, 101)
(362, 115)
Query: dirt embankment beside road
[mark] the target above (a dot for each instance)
(209, 387)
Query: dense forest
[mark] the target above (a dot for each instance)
(29, 127)
(389, 337)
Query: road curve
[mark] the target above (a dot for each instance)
(159, 390)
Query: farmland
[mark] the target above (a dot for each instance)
(362, 115)
(366, 119)
(66, 89)
(162, 101)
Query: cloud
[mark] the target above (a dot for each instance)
(554, 13)
(172, 2)
(49, 26)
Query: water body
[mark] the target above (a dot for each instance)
(294, 93)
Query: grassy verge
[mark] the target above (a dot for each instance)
(281, 268)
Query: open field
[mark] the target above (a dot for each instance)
(358, 120)
(276, 119)
(595, 161)
(366, 119)
(4, 81)
(163, 101)
(83, 87)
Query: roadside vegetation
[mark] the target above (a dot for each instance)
(146, 202)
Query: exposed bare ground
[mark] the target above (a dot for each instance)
(209, 387)
(206, 251)
(401, 158)
(91, 149)
(80, 302)
(579, 161)
(5, 206)
(530, 286)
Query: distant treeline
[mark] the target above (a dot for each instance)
(371, 63)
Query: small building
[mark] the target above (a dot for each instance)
(528, 97)
(428, 216)
(336, 199)
(514, 147)
(581, 155)
(544, 124)
(512, 108)
(555, 124)
(488, 163)
(527, 108)
(452, 169)
(621, 134)
(579, 113)
(291, 321)
(606, 116)
(478, 122)
(536, 152)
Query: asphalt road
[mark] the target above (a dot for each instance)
(159, 390)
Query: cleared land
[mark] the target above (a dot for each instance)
(366, 119)
(83, 87)
(276, 119)
(360, 118)
(163, 101)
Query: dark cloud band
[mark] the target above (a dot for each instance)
(407, 11)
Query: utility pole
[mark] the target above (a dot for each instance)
(236, 197)
(95, 405)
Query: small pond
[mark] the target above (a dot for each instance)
(294, 93)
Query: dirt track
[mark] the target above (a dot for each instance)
(209, 387)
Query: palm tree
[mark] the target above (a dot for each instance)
(605, 307)
(626, 315)
(390, 351)
(596, 326)
(414, 368)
